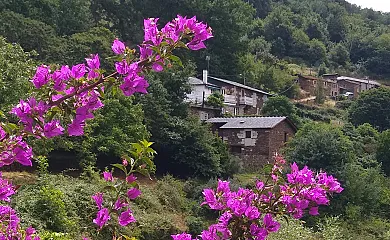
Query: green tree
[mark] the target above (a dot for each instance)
(30, 34)
(79, 45)
(215, 100)
(16, 68)
(320, 146)
(339, 55)
(65, 16)
(382, 154)
(372, 107)
(320, 92)
(280, 106)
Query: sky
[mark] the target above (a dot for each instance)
(379, 5)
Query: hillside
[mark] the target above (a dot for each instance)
(266, 41)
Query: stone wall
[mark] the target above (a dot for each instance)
(259, 149)
(279, 136)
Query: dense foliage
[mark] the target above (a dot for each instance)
(372, 107)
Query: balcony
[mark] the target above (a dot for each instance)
(247, 101)
(230, 99)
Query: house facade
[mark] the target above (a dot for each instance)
(310, 84)
(255, 140)
(239, 99)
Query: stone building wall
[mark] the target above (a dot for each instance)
(279, 136)
(260, 148)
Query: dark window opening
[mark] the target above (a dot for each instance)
(285, 137)
(248, 134)
(235, 149)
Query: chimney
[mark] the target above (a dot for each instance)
(205, 76)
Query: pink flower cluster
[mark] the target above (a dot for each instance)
(15, 149)
(9, 221)
(250, 211)
(120, 207)
(305, 190)
(10, 226)
(172, 33)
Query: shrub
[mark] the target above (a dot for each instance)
(51, 207)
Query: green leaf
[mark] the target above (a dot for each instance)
(110, 188)
(144, 172)
(120, 166)
(176, 59)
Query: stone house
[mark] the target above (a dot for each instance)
(354, 85)
(239, 99)
(254, 140)
(310, 84)
(335, 85)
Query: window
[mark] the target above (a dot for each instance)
(314, 82)
(248, 134)
(285, 136)
(204, 116)
(242, 92)
(235, 149)
(223, 91)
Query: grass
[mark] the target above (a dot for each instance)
(21, 178)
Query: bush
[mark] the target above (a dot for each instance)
(58, 204)
(372, 107)
(292, 230)
(320, 146)
(344, 105)
(51, 207)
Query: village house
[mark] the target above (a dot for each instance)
(309, 85)
(239, 99)
(335, 85)
(356, 86)
(255, 140)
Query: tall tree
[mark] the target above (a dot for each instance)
(372, 107)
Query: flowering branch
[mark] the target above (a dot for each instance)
(66, 97)
(249, 213)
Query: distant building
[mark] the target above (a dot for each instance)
(254, 140)
(239, 99)
(335, 85)
(354, 85)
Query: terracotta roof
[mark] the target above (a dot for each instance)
(249, 122)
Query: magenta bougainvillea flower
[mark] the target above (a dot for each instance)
(108, 176)
(126, 218)
(133, 193)
(102, 217)
(41, 77)
(118, 47)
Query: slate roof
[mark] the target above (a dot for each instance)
(249, 122)
(197, 81)
(355, 80)
(240, 85)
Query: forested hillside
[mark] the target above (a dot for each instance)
(266, 41)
